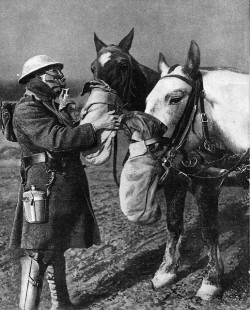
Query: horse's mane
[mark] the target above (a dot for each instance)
(223, 69)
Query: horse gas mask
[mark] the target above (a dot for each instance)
(55, 79)
(141, 172)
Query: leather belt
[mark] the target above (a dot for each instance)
(34, 159)
(54, 162)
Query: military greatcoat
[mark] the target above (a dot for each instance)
(39, 126)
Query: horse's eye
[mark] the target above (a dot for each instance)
(175, 100)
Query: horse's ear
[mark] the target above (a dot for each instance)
(193, 60)
(126, 42)
(162, 64)
(98, 43)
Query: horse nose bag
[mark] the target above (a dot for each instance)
(141, 172)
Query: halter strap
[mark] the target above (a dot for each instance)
(189, 82)
(184, 123)
(173, 68)
(178, 76)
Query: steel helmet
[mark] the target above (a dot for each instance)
(36, 63)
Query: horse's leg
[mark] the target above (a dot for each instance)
(207, 200)
(175, 194)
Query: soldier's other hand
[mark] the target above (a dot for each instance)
(108, 121)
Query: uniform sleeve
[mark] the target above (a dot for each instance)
(45, 131)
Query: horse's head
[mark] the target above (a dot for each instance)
(169, 98)
(123, 77)
(121, 72)
(114, 65)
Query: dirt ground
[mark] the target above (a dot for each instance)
(116, 274)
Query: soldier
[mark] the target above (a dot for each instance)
(54, 212)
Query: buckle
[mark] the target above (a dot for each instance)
(203, 94)
(165, 163)
(185, 178)
(210, 146)
(164, 176)
(204, 118)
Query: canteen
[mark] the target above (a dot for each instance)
(35, 206)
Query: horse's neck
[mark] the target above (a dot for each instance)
(226, 103)
(151, 76)
(144, 81)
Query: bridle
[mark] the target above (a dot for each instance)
(127, 92)
(195, 102)
(185, 122)
(177, 141)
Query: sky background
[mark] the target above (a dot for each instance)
(64, 30)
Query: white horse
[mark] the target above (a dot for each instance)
(226, 102)
(226, 113)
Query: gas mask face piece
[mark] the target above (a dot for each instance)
(55, 79)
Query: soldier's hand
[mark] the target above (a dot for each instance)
(108, 121)
(64, 100)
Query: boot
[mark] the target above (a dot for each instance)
(31, 283)
(56, 278)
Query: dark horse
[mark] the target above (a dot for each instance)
(133, 82)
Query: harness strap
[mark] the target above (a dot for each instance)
(221, 175)
(185, 122)
(115, 161)
(208, 143)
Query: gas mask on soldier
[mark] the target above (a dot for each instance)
(55, 79)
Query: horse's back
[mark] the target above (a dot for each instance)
(229, 92)
(229, 87)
